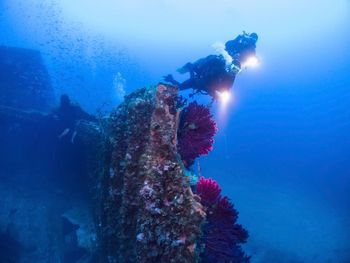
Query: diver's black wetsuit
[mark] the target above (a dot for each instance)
(207, 74)
(242, 47)
(68, 113)
(69, 164)
(213, 73)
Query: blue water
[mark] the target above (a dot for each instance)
(283, 148)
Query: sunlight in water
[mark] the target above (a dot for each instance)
(154, 20)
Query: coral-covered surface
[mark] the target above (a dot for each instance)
(196, 131)
(169, 225)
(222, 235)
(149, 213)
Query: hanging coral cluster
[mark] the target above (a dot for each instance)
(196, 131)
(222, 235)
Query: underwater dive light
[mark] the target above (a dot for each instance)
(224, 96)
(251, 62)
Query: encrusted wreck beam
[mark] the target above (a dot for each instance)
(11, 114)
(169, 222)
(149, 212)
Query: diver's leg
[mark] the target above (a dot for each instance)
(189, 67)
(187, 84)
(73, 136)
(191, 71)
(64, 133)
(184, 69)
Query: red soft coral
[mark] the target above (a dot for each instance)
(222, 235)
(208, 190)
(196, 131)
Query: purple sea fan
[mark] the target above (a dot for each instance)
(208, 190)
(224, 210)
(224, 216)
(196, 131)
(222, 236)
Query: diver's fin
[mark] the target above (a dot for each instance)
(169, 78)
(186, 68)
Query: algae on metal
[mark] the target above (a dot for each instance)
(146, 211)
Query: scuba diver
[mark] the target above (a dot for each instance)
(242, 47)
(69, 152)
(216, 73)
(68, 115)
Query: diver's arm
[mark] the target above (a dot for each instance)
(83, 115)
(187, 84)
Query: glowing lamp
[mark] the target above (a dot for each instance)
(224, 96)
(251, 62)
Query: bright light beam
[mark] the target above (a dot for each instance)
(224, 96)
(251, 62)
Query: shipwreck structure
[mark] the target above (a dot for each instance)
(142, 205)
(24, 80)
(118, 190)
(148, 212)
